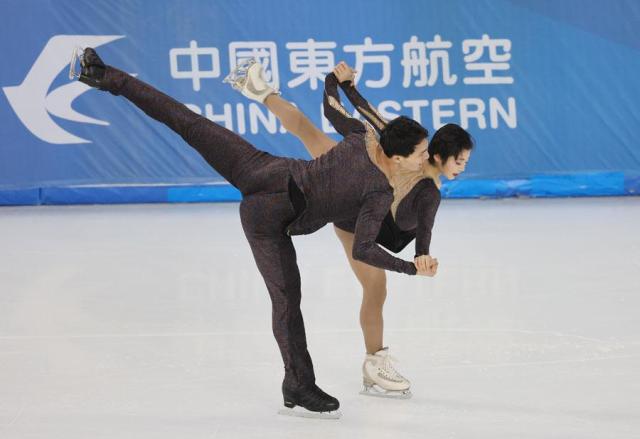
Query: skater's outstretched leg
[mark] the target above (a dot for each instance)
(239, 162)
(296, 122)
(248, 79)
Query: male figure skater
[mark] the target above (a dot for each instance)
(284, 197)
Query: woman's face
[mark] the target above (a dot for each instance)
(453, 166)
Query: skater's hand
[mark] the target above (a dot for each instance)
(344, 73)
(426, 265)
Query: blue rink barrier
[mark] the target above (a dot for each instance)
(593, 184)
(19, 197)
(139, 194)
(575, 185)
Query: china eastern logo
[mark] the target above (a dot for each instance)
(34, 103)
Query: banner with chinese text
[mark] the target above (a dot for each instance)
(549, 90)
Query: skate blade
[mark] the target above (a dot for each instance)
(381, 393)
(76, 57)
(239, 73)
(304, 413)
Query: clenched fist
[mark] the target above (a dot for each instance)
(426, 265)
(344, 73)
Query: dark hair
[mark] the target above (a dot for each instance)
(401, 135)
(449, 141)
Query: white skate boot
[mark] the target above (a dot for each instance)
(381, 379)
(248, 79)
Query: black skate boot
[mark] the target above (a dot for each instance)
(92, 69)
(313, 403)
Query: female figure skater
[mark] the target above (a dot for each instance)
(284, 197)
(412, 213)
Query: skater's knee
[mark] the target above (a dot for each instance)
(374, 296)
(374, 284)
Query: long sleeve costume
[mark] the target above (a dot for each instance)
(416, 194)
(283, 197)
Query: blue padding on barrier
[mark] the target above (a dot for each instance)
(220, 192)
(104, 195)
(482, 188)
(19, 197)
(592, 184)
(632, 184)
(139, 194)
(576, 185)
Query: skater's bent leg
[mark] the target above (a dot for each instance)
(374, 293)
(264, 218)
(224, 150)
(315, 141)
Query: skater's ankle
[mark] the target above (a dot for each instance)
(375, 350)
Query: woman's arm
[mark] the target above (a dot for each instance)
(346, 76)
(427, 203)
(335, 112)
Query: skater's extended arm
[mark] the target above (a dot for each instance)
(346, 75)
(365, 249)
(335, 112)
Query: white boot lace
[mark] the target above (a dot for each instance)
(387, 365)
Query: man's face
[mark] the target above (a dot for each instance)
(454, 166)
(417, 159)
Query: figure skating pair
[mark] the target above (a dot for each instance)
(412, 214)
(283, 197)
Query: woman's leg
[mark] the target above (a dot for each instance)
(374, 293)
(378, 374)
(315, 141)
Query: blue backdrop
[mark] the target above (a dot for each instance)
(548, 89)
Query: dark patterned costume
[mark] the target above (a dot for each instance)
(283, 197)
(416, 210)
